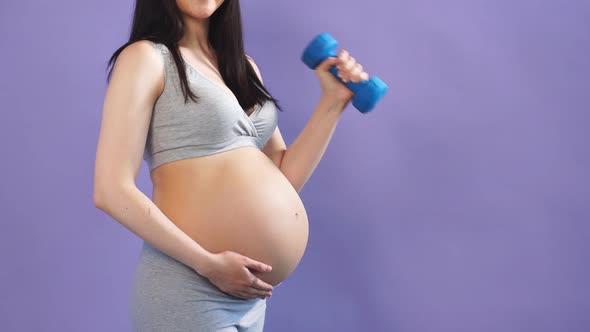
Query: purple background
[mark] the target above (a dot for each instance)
(461, 203)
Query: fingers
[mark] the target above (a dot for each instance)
(257, 292)
(327, 63)
(347, 62)
(251, 293)
(356, 71)
(258, 283)
(257, 265)
(243, 295)
(349, 69)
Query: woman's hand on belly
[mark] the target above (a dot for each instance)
(229, 271)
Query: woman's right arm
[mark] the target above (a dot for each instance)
(136, 82)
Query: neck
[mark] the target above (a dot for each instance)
(195, 35)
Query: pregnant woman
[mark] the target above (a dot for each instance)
(225, 224)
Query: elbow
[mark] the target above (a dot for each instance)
(298, 188)
(98, 195)
(109, 188)
(295, 182)
(106, 194)
(101, 195)
(98, 198)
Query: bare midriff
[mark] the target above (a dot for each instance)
(236, 200)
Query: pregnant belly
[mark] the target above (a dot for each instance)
(236, 200)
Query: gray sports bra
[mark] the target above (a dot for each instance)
(217, 123)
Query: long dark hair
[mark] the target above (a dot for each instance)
(161, 21)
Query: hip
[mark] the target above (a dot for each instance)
(169, 294)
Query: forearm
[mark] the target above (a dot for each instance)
(138, 213)
(304, 154)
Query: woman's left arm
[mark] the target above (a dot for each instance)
(300, 159)
(304, 154)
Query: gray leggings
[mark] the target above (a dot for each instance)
(169, 296)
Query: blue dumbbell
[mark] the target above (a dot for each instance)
(366, 93)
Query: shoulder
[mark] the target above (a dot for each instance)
(255, 67)
(141, 61)
(145, 50)
(142, 53)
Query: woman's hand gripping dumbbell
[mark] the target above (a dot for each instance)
(341, 76)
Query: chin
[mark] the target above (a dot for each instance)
(198, 9)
